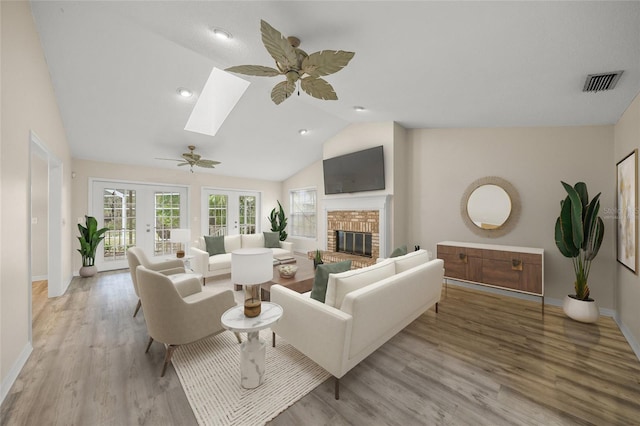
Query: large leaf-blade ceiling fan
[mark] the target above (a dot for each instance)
(192, 159)
(297, 66)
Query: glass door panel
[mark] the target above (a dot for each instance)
(137, 215)
(230, 212)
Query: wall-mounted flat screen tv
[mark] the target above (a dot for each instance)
(354, 172)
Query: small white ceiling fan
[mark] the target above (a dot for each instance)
(192, 159)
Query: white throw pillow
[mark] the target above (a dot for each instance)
(231, 243)
(252, 240)
(340, 284)
(411, 260)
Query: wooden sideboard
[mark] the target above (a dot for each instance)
(512, 268)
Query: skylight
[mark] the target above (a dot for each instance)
(220, 94)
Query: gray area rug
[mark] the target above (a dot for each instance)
(209, 371)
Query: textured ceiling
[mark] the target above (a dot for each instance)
(115, 67)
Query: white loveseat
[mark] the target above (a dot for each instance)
(363, 309)
(220, 264)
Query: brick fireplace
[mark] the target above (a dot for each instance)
(359, 215)
(354, 221)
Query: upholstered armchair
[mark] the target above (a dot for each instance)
(136, 257)
(176, 320)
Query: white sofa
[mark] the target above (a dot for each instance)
(220, 264)
(363, 309)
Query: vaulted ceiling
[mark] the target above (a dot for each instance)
(116, 66)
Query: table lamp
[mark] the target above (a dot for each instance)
(251, 267)
(180, 236)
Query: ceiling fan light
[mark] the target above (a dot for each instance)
(222, 34)
(184, 92)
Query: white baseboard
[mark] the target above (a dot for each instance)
(39, 278)
(635, 345)
(13, 373)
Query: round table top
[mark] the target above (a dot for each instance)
(233, 319)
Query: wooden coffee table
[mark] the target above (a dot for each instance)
(301, 282)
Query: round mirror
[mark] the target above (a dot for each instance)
(489, 206)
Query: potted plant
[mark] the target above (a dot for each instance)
(317, 260)
(278, 222)
(578, 233)
(90, 237)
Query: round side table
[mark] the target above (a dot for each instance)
(253, 350)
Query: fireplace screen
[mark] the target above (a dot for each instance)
(358, 243)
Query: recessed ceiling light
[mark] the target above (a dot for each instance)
(358, 108)
(222, 34)
(185, 93)
(303, 131)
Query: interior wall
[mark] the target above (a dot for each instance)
(444, 162)
(310, 177)
(28, 104)
(271, 191)
(627, 138)
(39, 217)
(399, 231)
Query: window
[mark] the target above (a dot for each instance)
(302, 215)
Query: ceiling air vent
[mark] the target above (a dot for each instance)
(604, 81)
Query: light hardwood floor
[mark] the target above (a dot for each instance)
(483, 359)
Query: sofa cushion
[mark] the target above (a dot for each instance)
(399, 251)
(280, 251)
(252, 240)
(319, 288)
(271, 239)
(219, 262)
(214, 245)
(232, 242)
(340, 284)
(411, 260)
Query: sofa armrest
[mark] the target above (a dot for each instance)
(319, 331)
(200, 261)
(286, 245)
(166, 264)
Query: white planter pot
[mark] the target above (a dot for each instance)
(581, 310)
(88, 271)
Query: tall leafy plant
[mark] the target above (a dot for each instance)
(579, 231)
(90, 237)
(278, 222)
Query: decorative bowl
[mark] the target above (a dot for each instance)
(287, 271)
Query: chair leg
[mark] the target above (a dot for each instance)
(238, 337)
(337, 388)
(273, 339)
(436, 307)
(137, 308)
(167, 358)
(149, 344)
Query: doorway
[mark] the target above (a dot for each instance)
(229, 212)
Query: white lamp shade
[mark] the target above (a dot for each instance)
(180, 235)
(251, 266)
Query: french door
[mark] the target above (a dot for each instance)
(227, 212)
(136, 215)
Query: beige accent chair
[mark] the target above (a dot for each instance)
(177, 319)
(136, 257)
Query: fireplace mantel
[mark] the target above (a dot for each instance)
(381, 203)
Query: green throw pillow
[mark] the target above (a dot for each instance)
(319, 289)
(271, 239)
(400, 251)
(215, 245)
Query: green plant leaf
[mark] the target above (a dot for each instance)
(581, 189)
(577, 232)
(589, 220)
(563, 231)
